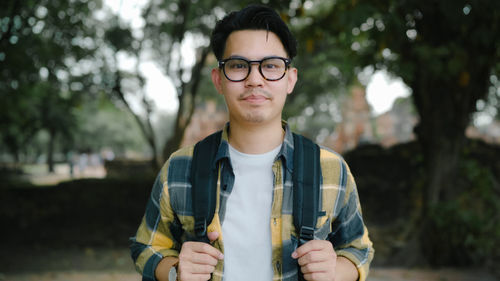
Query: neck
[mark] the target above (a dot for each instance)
(256, 139)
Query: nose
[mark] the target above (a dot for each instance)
(254, 79)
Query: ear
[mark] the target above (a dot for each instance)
(292, 79)
(217, 79)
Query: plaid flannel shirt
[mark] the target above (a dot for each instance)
(168, 220)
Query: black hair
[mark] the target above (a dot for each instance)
(253, 17)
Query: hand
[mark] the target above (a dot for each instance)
(317, 260)
(197, 260)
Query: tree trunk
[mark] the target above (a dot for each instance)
(50, 150)
(185, 112)
(146, 129)
(175, 140)
(441, 140)
(445, 109)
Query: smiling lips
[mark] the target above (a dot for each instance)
(255, 96)
(255, 99)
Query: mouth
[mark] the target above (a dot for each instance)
(255, 99)
(255, 96)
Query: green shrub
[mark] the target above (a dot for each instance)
(466, 229)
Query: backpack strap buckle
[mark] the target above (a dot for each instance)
(306, 233)
(200, 228)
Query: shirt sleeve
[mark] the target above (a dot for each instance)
(349, 234)
(154, 239)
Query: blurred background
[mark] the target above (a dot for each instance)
(96, 94)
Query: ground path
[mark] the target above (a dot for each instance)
(377, 274)
(115, 264)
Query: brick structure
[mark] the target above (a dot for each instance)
(206, 119)
(359, 126)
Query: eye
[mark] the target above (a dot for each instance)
(237, 64)
(273, 64)
(269, 65)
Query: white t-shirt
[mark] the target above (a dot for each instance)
(246, 227)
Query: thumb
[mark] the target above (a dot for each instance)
(212, 236)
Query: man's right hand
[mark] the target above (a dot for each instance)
(197, 260)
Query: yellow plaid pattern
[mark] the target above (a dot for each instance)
(168, 220)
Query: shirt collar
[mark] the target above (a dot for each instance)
(223, 151)
(286, 151)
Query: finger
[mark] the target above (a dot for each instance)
(193, 268)
(314, 256)
(203, 259)
(202, 269)
(191, 271)
(316, 276)
(189, 276)
(313, 245)
(208, 249)
(314, 267)
(204, 277)
(192, 249)
(212, 236)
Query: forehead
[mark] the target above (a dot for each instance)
(254, 44)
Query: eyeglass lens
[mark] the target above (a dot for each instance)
(239, 69)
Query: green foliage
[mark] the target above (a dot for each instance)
(325, 68)
(39, 42)
(316, 119)
(102, 124)
(465, 229)
(447, 45)
(207, 90)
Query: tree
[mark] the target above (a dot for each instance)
(445, 51)
(170, 26)
(40, 41)
(121, 39)
(102, 122)
(326, 73)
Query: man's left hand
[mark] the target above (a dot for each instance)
(317, 260)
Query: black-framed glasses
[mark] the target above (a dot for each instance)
(237, 69)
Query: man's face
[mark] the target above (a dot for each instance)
(254, 100)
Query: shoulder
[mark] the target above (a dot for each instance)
(183, 152)
(177, 164)
(334, 167)
(328, 155)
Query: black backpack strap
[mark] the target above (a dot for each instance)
(306, 181)
(204, 174)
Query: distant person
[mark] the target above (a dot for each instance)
(252, 235)
(71, 158)
(83, 161)
(95, 160)
(107, 154)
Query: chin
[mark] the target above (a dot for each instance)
(255, 119)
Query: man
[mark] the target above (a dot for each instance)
(252, 234)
